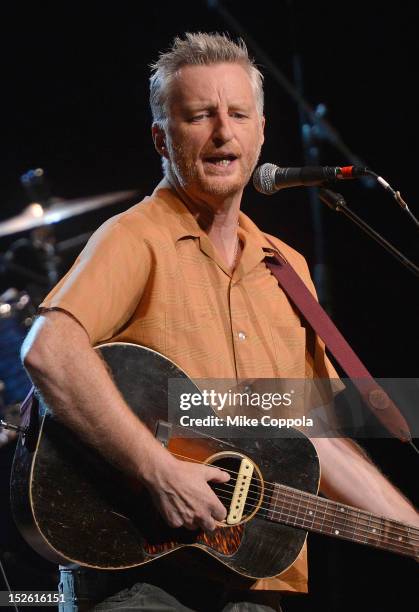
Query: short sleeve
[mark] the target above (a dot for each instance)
(105, 284)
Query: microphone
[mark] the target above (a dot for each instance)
(269, 178)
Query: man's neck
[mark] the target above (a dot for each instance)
(218, 218)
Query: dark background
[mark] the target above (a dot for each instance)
(75, 102)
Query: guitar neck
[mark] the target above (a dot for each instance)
(299, 509)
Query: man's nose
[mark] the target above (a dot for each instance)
(223, 129)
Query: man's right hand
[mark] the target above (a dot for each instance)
(181, 492)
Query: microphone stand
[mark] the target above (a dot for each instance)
(396, 195)
(314, 127)
(335, 201)
(330, 133)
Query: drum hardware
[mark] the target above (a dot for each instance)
(36, 186)
(14, 301)
(7, 264)
(40, 217)
(16, 316)
(43, 253)
(72, 243)
(35, 215)
(11, 427)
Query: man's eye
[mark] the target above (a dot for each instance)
(238, 115)
(199, 117)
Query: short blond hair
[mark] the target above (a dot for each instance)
(199, 49)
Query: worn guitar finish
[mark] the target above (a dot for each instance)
(73, 507)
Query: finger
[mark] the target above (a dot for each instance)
(204, 523)
(208, 524)
(218, 511)
(217, 475)
(174, 522)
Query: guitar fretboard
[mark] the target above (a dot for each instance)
(299, 509)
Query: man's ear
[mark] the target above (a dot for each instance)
(263, 129)
(159, 139)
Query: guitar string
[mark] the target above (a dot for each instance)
(396, 546)
(284, 518)
(318, 501)
(306, 502)
(229, 471)
(335, 522)
(309, 496)
(363, 518)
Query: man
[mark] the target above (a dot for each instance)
(183, 272)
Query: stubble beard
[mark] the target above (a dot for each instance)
(187, 174)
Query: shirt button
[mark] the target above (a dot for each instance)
(242, 336)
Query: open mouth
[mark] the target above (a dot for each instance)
(221, 161)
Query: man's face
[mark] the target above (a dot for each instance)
(214, 132)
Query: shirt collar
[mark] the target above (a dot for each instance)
(183, 224)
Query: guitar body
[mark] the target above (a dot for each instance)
(73, 507)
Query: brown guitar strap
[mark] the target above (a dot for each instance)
(374, 396)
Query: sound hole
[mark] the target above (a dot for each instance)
(231, 462)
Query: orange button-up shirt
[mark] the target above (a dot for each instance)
(151, 276)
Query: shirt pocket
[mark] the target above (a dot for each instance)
(290, 351)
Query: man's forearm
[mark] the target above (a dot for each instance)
(74, 382)
(77, 386)
(350, 477)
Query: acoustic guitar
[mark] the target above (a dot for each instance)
(73, 507)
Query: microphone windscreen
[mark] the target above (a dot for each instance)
(264, 179)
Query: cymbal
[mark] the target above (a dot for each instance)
(36, 215)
